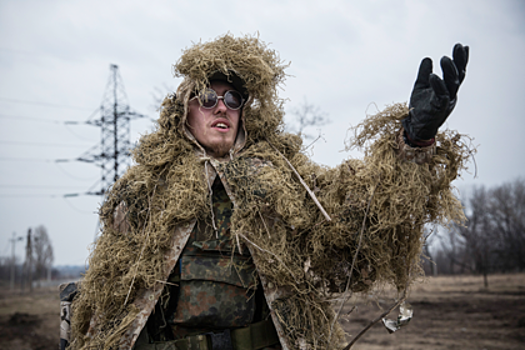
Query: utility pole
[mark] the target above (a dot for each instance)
(13, 259)
(28, 264)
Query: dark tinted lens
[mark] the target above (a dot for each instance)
(208, 98)
(233, 99)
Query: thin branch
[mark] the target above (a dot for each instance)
(211, 200)
(143, 247)
(314, 141)
(166, 282)
(345, 295)
(269, 252)
(264, 224)
(384, 314)
(327, 217)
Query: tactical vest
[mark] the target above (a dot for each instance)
(213, 285)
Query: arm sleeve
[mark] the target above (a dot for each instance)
(381, 204)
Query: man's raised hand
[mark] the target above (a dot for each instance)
(433, 98)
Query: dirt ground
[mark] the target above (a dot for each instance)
(450, 312)
(29, 322)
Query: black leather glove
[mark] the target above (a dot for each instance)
(433, 98)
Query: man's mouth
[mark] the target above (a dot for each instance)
(221, 124)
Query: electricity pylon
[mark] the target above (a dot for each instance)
(112, 155)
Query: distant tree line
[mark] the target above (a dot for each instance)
(493, 238)
(37, 264)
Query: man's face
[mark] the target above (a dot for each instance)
(215, 129)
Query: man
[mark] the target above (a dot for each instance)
(226, 236)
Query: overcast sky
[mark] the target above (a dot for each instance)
(345, 57)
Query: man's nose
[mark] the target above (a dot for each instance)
(221, 107)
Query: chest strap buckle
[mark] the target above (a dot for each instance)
(220, 341)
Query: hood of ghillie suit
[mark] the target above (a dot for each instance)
(246, 58)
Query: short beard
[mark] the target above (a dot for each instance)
(220, 150)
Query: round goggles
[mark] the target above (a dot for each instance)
(209, 99)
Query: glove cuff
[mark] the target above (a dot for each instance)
(415, 143)
(418, 154)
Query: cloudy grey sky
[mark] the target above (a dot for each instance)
(346, 57)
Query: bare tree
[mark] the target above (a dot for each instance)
(452, 256)
(43, 253)
(478, 234)
(507, 213)
(493, 239)
(5, 268)
(428, 259)
(306, 116)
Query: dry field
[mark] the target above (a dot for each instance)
(449, 313)
(30, 322)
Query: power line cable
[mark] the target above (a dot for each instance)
(12, 100)
(30, 196)
(88, 121)
(76, 209)
(37, 186)
(20, 159)
(66, 123)
(43, 195)
(62, 160)
(22, 118)
(45, 120)
(68, 128)
(13, 159)
(18, 52)
(23, 143)
(71, 176)
(90, 191)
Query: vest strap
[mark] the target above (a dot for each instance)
(254, 337)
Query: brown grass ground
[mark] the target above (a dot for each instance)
(450, 312)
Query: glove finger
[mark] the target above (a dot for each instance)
(425, 69)
(441, 96)
(460, 54)
(450, 75)
(440, 100)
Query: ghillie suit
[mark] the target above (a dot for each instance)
(301, 257)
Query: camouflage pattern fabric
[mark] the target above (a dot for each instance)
(216, 281)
